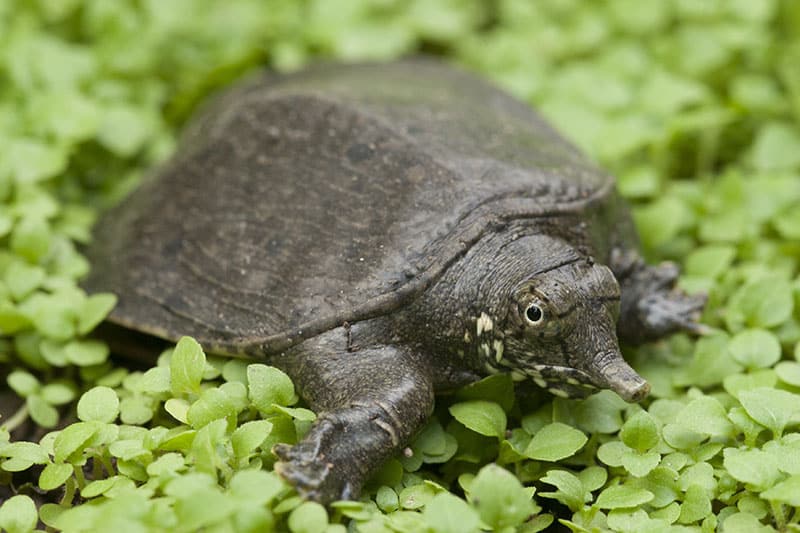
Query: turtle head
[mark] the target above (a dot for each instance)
(560, 310)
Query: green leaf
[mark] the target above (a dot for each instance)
(665, 93)
(155, 380)
(593, 477)
(235, 370)
(662, 220)
(640, 432)
(710, 261)
(701, 474)
(497, 388)
(554, 442)
(300, 414)
(696, 505)
(710, 364)
(788, 372)
(124, 129)
(571, 491)
(705, 416)
(754, 467)
(777, 146)
(186, 367)
(256, 486)
(621, 496)
(18, 515)
(94, 310)
(23, 383)
(639, 464)
(12, 319)
(22, 279)
(772, 408)
(129, 449)
(49, 513)
(755, 348)
(99, 486)
(42, 412)
(736, 383)
(639, 520)
(600, 413)
(446, 513)
(179, 409)
(58, 393)
(54, 475)
(31, 238)
(249, 436)
(206, 448)
(308, 517)
(197, 510)
(52, 315)
(387, 499)
(267, 385)
(213, 404)
(662, 483)
(638, 182)
(753, 505)
(499, 497)
(416, 496)
(99, 404)
(135, 410)
(431, 440)
(763, 303)
(71, 439)
(787, 223)
(787, 492)
(744, 523)
(486, 418)
(86, 352)
(22, 455)
(168, 465)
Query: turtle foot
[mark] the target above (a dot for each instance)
(315, 475)
(652, 306)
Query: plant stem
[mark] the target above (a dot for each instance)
(79, 477)
(780, 517)
(69, 492)
(17, 418)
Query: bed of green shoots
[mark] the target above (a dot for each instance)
(694, 105)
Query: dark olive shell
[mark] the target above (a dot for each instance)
(298, 203)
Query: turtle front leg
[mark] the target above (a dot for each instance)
(651, 305)
(372, 402)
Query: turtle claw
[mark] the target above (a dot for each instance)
(315, 467)
(308, 475)
(663, 313)
(653, 307)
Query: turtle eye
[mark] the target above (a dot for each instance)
(534, 314)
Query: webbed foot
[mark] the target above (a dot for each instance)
(370, 402)
(652, 306)
(314, 476)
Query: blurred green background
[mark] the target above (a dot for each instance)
(693, 104)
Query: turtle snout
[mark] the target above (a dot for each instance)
(611, 371)
(634, 393)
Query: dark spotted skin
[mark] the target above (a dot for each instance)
(381, 233)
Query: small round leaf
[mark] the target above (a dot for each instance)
(486, 418)
(100, 404)
(18, 515)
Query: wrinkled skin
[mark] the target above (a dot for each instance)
(382, 233)
(549, 314)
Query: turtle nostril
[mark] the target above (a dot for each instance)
(638, 393)
(613, 372)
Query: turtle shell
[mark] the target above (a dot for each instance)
(297, 203)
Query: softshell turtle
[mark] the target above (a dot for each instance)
(382, 232)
